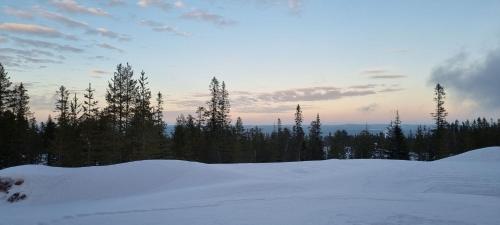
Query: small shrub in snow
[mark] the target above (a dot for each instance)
(5, 184)
(16, 197)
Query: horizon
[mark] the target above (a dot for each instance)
(351, 63)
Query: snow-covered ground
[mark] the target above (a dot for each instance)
(460, 190)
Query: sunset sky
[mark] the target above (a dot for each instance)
(349, 61)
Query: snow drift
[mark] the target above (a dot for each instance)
(464, 189)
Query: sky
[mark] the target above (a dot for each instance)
(350, 61)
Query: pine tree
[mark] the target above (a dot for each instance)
(4, 89)
(158, 112)
(440, 114)
(397, 140)
(315, 140)
(224, 107)
(62, 106)
(75, 110)
(298, 136)
(89, 104)
(120, 97)
(212, 112)
(19, 103)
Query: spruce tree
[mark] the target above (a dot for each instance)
(315, 140)
(89, 103)
(4, 89)
(298, 136)
(62, 106)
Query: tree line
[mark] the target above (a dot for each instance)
(130, 126)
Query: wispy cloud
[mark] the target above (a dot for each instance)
(381, 73)
(72, 6)
(62, 19)
(116, 3)
(160, 27)
(205, 16)
(24, 14)
(47, 45)
(107, 33)
(71, 23)
(33, 29)
(312, 94)
(110, 47)
(368, 108)
(165, 6)
(394, 76)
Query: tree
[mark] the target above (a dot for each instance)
(298, 136)
(212, 112)
(224, 107)
(19, 103)
(74, 111)
(62, 106)
(89, 104)
(440, 117)
(120, 97)
(440, 114)
(4, 89)
(158, 112)
(315, 140)
(397, 140)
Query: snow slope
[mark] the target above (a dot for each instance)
(463, 190)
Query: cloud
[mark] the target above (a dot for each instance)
(179, 4)
(160, 27)
(385, 90)
(205, 16)
(267, 109)
(62, 19)
(18, 13)
(71, 23)
(72, 6)
(3, 39)
(47, 45)
(374, 71)
(156, 3)
(110, 47)
(96, 73)
(33, 29)
(30, 53)
(395, 76)
(381, 73)
(116, 3)
(312, 94)
(295, 5)
(107, 33)
(368, 108)
(477, 80)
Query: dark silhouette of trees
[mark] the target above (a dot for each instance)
(130, 127)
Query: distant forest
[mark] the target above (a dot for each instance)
(130, 126)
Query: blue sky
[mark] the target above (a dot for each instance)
(350, 61)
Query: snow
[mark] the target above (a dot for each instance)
(463, 190)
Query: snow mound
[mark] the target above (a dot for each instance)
(489, 154)
(52, 184)
(363, 192)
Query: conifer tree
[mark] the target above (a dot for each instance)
(19, 103)
(440, 114)
(4, 89)
(89, 104)
(315, 140)
(74, 111)
(62, 106)
(298, 136)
